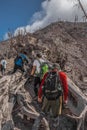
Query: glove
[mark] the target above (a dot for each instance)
(65, 102)
(39, 100)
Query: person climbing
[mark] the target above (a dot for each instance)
(19, 61)
(38, 70)
(3, 65)
(54, 91)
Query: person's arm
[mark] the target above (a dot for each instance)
(27, 60)
(1, 62)
(40, 92)
(63, 79)
(15, 59)
(24, 57)
(6, 62)
(33, 70)
(34, 67)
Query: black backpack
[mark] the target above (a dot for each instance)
(52, 86)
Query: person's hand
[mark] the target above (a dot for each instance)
(39, 100)
(31, 76)
(65, 101)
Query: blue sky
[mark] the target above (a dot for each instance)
(16, 13)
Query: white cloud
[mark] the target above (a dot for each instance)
(5, 36)
(52, 11)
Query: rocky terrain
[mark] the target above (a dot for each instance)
(68, 45)
(62, 42)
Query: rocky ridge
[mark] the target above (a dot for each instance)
(63, 43)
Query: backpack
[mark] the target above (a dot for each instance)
(52, 86)
(43, 69)
(19, 60)
(24, 58)
(3, 63)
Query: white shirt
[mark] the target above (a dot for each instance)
(4, 63)
(37, 64)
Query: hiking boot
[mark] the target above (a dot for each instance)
(56, 122)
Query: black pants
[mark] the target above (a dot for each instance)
(36, 85)
(2, 70)
(16, 67)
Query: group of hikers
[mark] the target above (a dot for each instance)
(50, 86)
(50, 83)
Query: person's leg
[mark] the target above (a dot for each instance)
(55, 111)
(46, 105)
(22, 68)
(15, 69)
(36, 84)
(55, 107)
(2, 70)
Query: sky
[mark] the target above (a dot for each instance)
(32, 15)
(16, 13)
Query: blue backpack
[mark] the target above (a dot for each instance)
(19, 61)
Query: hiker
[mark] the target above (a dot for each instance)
(52, 88)
(19, 62)
(3, 65)
(38, 70)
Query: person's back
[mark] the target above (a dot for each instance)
(19, 62)
(24, 57)
(3, 66)
(4, 63)
(52, 86)
(37, 63)
(52, 91)
(36, 72)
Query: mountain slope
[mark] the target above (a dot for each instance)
(67, 40)
(61, 42)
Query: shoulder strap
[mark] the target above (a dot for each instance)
(39, 62)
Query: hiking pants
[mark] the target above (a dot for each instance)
(51, 106)
(36, 85)
(2, 70)
(16, 67)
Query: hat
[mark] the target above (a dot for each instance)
(38, 55)
(57, 66)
